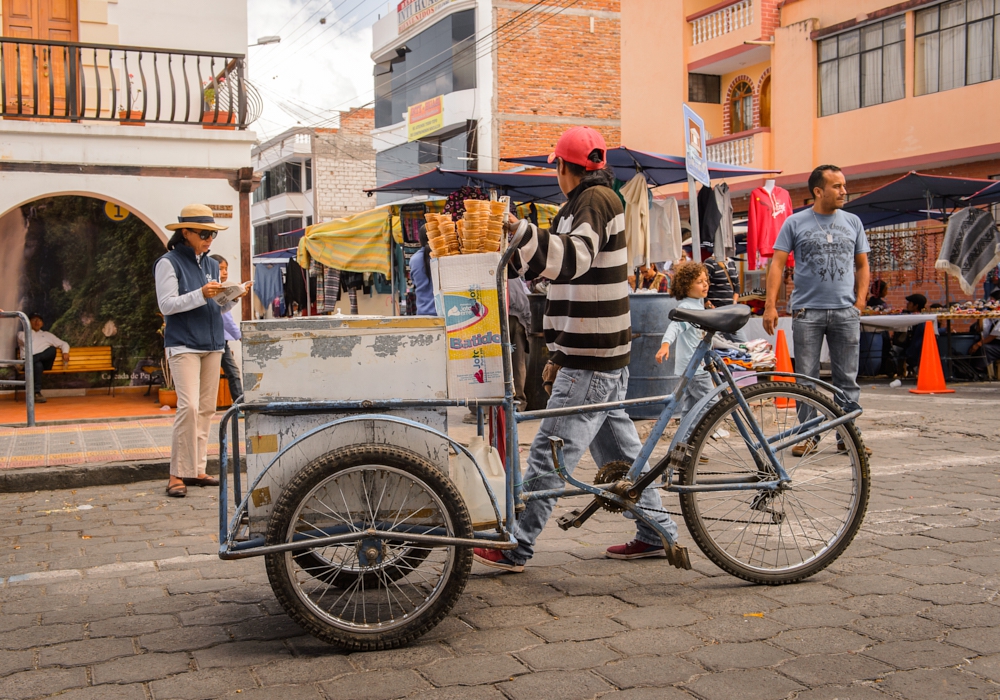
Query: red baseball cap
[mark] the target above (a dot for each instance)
(576, 145)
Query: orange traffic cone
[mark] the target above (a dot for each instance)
(930, 377)
(783, 363)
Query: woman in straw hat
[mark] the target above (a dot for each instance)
(187, 280)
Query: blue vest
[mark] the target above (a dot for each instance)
(201, 328)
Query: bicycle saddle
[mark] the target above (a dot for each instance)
(728, 319)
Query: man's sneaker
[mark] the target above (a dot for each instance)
(634, 550)
(494, 558)
(40, 399)
(803, 448)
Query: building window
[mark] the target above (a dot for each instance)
(282, 178)
(705, 88)
(957, 44)
(424, 67)
(863, 67)
(741, 107)
(309, 175)
(765, 101)
(268, 237)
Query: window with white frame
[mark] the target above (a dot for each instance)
(862, 67)
(957, 44)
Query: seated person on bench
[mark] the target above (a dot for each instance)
(43, 349)
(906, 345)
(986, 350)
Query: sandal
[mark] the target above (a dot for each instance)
(201, 481)
(177, 490)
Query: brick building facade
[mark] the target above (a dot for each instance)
(344, 166)
(561, 73)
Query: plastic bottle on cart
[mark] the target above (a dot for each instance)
(470, 484)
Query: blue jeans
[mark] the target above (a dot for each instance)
(842, 330)
(610, 436)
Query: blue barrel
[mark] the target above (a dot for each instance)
(646, 377)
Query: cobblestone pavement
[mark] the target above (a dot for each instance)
(116, 592)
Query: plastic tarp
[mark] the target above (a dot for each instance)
(358, 243)
(987, 195)
(659, 169)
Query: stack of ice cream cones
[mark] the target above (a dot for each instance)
(442, 235)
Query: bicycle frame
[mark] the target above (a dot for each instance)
(639, 477)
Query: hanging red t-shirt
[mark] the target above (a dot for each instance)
(768, 211)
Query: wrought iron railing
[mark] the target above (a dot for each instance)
(70, 81)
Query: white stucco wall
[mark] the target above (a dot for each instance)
(190, 25)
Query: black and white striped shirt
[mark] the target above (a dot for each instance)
(587, 323)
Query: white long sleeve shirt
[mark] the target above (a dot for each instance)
(41, 341)
(171, 301)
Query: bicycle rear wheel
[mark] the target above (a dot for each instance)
(775, 537)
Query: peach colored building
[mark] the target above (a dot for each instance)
(876, 87)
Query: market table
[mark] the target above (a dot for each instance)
(755, 330)
(897, 322)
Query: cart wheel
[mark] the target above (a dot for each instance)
(373, 593)
(783, 536)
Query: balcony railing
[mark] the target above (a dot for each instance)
(69, 81)
(738, 151)
(721, 22)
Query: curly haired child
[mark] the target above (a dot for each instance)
(690, 285)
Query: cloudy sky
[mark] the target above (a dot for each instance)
(323, 62)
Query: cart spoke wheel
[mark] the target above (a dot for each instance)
(786, 535)
(374, 592)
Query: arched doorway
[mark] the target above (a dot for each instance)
(765, 101)
(741, 107)
(87, 269)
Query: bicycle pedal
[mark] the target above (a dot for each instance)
(570, 519)
(677, 555)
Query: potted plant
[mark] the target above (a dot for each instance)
(209, 118)
(131, 116)
(167, 394)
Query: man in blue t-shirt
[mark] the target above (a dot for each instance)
(831, 278)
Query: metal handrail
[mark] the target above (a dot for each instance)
(29, 367)
(75, 81)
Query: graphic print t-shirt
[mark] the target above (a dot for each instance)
(824, 247)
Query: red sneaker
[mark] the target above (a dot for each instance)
(494, 558)
(634, 550)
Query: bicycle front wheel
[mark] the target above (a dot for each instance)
(783, 536)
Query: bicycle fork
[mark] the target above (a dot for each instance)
(622, 496)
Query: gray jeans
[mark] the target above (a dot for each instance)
(610, 436)
(842, 330)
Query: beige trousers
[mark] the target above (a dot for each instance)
(196, 378)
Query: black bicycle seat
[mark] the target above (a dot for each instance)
(728, 319)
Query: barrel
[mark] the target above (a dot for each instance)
(646, 377)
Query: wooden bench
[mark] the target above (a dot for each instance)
(81, 360)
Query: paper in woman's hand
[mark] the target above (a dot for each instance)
(229, 292)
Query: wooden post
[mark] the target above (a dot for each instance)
(245, 183)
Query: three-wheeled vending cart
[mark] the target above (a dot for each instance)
(366, 510)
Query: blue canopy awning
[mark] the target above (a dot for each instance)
(914, 197)
(659, 169)
(521, 186)
(987, 195)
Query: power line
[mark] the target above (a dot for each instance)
(292, 39)
(280, 61)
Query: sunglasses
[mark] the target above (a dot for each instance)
(206, 235)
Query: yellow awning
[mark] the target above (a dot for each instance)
(358, 243)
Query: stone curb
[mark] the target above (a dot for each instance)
(80, 475)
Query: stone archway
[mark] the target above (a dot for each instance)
(87, 271)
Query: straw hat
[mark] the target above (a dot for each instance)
(198, 217)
